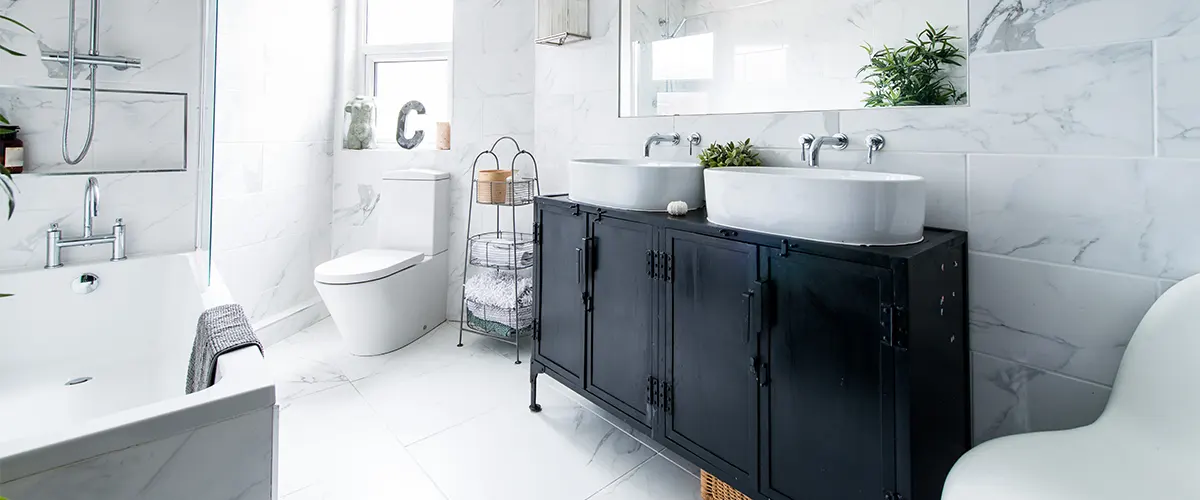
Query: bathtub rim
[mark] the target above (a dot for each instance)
(243, 385)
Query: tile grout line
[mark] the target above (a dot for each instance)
(1044, 370)
(1076, 267)
(658, 453)
(620, 476)
(383, 420)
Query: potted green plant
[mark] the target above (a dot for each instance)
(6, 181)
(734, 154)
(914, 74)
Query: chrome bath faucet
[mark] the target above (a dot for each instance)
(91, 209)
(91, 205)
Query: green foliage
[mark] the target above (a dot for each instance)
(734, 154)
(6, 180)
(914, 74)
(8, 187)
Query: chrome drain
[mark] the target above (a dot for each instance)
(78, 380)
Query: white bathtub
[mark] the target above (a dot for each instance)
(133, 336)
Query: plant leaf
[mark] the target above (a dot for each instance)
(14, 21)
(11, 52)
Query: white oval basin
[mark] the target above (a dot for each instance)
(835, 206)
(644, 185)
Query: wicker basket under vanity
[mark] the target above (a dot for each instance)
(712, 488)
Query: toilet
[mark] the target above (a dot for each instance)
(384, 298)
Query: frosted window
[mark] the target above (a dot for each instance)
(396, 22)
(683, 58)
(396, 83)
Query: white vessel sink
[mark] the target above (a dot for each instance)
(645, 185)
(835, 206)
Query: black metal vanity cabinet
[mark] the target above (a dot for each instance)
(792, 370)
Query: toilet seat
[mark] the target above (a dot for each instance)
(366, 265)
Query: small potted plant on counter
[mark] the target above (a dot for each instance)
(734, 154)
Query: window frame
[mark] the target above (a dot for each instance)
(368, 55)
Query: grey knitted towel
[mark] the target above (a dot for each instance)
(220, 330)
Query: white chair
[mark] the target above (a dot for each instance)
(1146, 444)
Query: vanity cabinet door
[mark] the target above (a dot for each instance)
(561, 281)
(827, 431)
(711, 398)
(620, 339)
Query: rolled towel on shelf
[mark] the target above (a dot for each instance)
(220, 330)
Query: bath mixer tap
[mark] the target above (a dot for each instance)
(836, 141)
(91, 205)
(91, 208)
(660, 138)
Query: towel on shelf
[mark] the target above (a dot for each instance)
(502, 298)
(220, 330)
(501, 252)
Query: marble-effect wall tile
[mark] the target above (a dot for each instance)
(1012, 398)
(1178, 102)
(134, 132)
(1072, 321)
(273, 162)
(1086, 101)
(1133, 216)
(1013, 25)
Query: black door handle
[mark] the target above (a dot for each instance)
(579, 265)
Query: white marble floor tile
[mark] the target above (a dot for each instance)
(416, 407)
(334, 442)
(434, 421)
(657, 479)
(322, 343)
(296, 376)
(564, 452)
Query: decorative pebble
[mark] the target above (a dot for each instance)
(677, 208)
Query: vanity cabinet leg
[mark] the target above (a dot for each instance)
(533, 404)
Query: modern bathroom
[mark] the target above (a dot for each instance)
(599, 249)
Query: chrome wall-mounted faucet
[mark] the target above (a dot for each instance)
(91, 208)
(660, 138)
(836, 141)
(875, 143)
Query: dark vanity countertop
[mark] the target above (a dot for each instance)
(696, 221)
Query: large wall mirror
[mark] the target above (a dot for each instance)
(695, 57)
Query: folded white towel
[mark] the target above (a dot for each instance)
(502, 298)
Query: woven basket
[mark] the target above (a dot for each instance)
(712, 488)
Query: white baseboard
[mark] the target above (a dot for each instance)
(274, 328)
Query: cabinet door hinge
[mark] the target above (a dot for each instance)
(537, 330)
(891, 495)
(668, 397)
(651, 264)
(587, 301)
(537, 233)
(651, 391)
(666, 267)
(575, 209)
